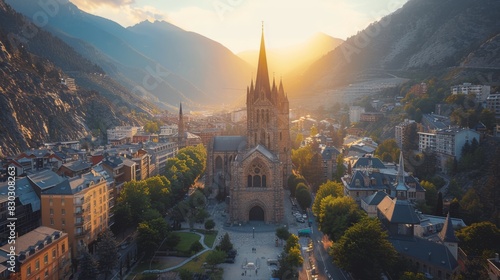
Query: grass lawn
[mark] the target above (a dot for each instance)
(195, 265)
(210, 238)
(187, 238)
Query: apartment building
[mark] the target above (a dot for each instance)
(160, 152)
(401, 131)
(78, 206)
(42, 253)
(120, 133)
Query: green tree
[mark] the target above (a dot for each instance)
(291, 242)
(314, 131)
(303, 198)
(225, 244)
(185, 274)
(439, 205)
(471, 206)
(294, 257)
(329, 188)
(209, 224)
(388, 150)
(474, 269)
(159, 192)
(196, 247)
(152, 127)
(479, 239)
(298, 140)
(430, 194)
(364, 250)
(147, 239)
(340, 170)
(337, 215)
(88, 267)
(106, 252)
(282, 233)
(412, 276)
(215, 257)
(136, 195)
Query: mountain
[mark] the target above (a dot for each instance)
(35, 107)
(294, 60)
(421, 37)
(157, 60)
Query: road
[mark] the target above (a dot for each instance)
(324, 263)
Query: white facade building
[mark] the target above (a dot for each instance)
(400, 130)
(493, 103)
(481, 91)
(121, 132)
(355, 113)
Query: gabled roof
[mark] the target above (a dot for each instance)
(329, 152)
(263, 150)
(447, 233)
(368, 162)
(228, 143)
(425, 251)
(375, 198)
(398, 211)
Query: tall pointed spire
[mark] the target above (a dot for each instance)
(262, 80)
(401, 168)
(180, 129)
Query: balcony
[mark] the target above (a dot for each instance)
(82, 233)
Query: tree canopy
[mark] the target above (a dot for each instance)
(337, 215)
(364, 250)
(329, 188)
(480, 239)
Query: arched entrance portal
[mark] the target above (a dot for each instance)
(256, 214)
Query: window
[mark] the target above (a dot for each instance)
(263, 181)
(62, 201)
(53, 253)
(28, 270)
(63, 248)
(51, 211)
(50, 201)
(249, 181)
(63, 222)
(46, 258)
(46, 273)
(51, 221)
(63, 211)
(37, 265)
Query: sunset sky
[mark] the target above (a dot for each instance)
(236, 23)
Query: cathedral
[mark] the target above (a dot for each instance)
(251, 171)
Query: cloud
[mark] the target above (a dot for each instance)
(123, 12)
(88, 5)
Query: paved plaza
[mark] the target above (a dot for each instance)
(255, 243)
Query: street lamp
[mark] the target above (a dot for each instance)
(253, 232)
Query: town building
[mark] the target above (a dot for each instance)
(369, 175)
(480, 91)
(121, 134)
(401, 131)
(74, 168)
(371, 117)
(355, 113)
(27, 209)
(160, 153)
(493, 103)
(42, 253)
(329, 156)
(79, 207)
(253, 169)
(34, 160)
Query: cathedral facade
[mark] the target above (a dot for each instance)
(251, 171)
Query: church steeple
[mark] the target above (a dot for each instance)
(180, 129)
(401, 188)
(262, 80)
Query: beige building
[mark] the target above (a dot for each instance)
(78, 206)
(42, 253)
